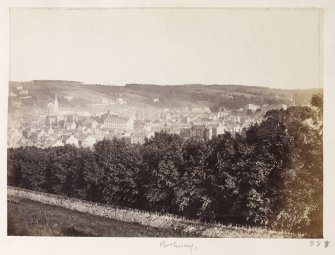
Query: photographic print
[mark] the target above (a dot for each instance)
(165, 122)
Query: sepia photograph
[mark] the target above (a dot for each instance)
(206, 153)
(164, 123)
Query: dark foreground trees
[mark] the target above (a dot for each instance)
(270, 174)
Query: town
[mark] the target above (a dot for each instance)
(57, 126)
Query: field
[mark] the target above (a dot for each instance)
(41, 214)
(30, 218)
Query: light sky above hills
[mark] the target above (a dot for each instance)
(273, 48)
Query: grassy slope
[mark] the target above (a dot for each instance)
(29, 218)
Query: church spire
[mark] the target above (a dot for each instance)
(56, 104)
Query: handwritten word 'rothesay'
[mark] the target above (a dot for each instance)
(176, 245)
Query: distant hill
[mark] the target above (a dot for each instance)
(71, 94)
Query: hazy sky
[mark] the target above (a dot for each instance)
(274, 48)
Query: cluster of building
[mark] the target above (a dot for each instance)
(16, 96)
(83, 129)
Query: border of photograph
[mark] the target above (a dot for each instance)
(90, 245)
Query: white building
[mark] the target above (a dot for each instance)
(252, 107)
(14, 138)
(137, 138)
(23, 92)
(42, 134)
(72, 141)
(58, 143)
(73, 126)
(121, 101)
(51, 131)
(117, 123)
(283, 106)
(89, 141)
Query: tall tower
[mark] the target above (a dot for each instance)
(56, 104)
(220, 112)
(238, 119)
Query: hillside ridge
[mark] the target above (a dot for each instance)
(75, 93)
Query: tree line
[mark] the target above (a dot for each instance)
(270, 174)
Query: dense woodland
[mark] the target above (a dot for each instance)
(271, 174)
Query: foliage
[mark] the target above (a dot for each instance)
(161, 165)
(119, 162)
(317, 101)
(269, 174)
